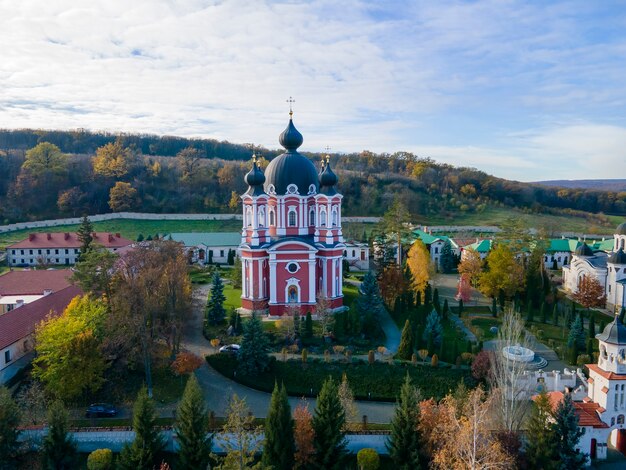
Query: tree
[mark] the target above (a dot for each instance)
(567, 434)
(328, 423)
(404, 441)
(45, 160)
(446, 261)
(70, 200)
(590, 292)
(555, 314)
(482, 366)
(471, 266)
(279, 445)
(100, 459)
(592, 326)
(540, 448)
(433, 331)
(304, 437)
(188, 160)
(240, 436)
(185, 363)
(324, 313)
(122, 197)
(237, 274)
(576, 339)
(9, 421)
(308, 325)
(405, 350)
(368, 459)
(112, 160)
(142, 453)
(192, 427)
(346, 397)
(396, 221)
(369, 304)
(94, 272)
(418, 261)
(215, 311)
(59, 450)
(84, 235)
(69, 358)
(253, 356)
(504, 273)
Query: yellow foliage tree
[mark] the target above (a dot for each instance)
(69, 360)
(122, 197)
(471, 265)
(112, 160)
(45, 159)
(504, 273)
(418, 261)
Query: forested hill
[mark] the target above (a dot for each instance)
(48, 174)
(603, 185)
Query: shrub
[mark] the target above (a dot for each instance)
(583, 359)
(434, 361)
(368, 459)
(100, 459)
(327, 356)
(371, 357)
(215, 342)
(305, 355)
(414, 359)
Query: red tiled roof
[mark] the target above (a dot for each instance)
(20, 322)
(69, 240)
(587, 412)
(605, 374)
(34, 282)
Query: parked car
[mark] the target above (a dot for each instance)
(230, 349)
(101, 410)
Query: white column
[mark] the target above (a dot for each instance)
(324, 292)
(272, 282)
(251, 279)
(261, 293)
(312, 280)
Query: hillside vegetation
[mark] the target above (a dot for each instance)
(81, 172)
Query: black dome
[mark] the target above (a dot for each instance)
(328, 179)
(255, 179)
(290, 138)
(583, 250)
(618, 257)
(621, 229)
(615, 332)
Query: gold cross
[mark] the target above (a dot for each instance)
(291, 101)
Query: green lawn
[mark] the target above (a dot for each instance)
(233, 297)
(480, 326)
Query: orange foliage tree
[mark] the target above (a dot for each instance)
(185, 363)
(304, 435)
(590, 292)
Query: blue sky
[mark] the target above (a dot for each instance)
(523, 90)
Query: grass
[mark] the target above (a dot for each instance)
(378, 381)
(480, 326)
(233, 297)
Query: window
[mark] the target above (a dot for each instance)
(334, 216)
(312, 217)
(21, 252)
(620, 419)
(323, 218)
(75, 251)
(67, 251)
(261, 217)
(272, 222)
(30, 252)
(436, 250)
(353, 253)
(47, 252)
(292, 218)
(222, 253)
(292, 267)
(56, 252)
(7, 356)
(292, 294)
(249, 217)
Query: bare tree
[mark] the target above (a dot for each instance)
(324, 313)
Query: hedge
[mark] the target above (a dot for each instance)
(377, 381)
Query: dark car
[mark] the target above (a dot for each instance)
(101, 410)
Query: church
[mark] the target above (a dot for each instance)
(608, 266)
(291, 242)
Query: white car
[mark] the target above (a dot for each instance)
(230, 348)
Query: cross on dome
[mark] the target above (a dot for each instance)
(290, 101)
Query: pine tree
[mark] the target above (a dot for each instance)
(592, 326)
(460, 307)
(433, 332)
(541, 443)
(404, 442)
(192, 427)
(405, 350)
(542, 313)
(142, 453)
(279, 446)
(308, 326)
(447, 261)
(215, 311)
(140, 237)
(494, 308)
(622, 314)
(446, 309)
(530, 314)
(577, 337)
(428, 294)
(328, 424)
(369, 301)
(567, 435)
(253, 356)
(231, 257)
(84, 235)
(9, 421)
(555, 314)
(59, 450)
(436, 303)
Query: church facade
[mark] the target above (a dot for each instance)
(608, 267)
(291, 242)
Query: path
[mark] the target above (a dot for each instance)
(218, 389)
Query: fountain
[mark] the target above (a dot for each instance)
(524, 356)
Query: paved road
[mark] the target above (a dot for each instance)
(218, 389)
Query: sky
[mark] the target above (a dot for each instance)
(526, 90)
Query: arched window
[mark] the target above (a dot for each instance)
(323, 218)
(334, 217)
(292, 294)
(272, 221)
(620, 419)
(248, 216)
(312, 218)
(292, 218)
(261, 217)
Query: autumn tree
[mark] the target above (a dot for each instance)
(391, 282)
(122, 197)
(94, 272)
(192, 428)
(503, 274)
(590, 292)
(396, 222)
(346, 397)
(471, 266)
(185, 363)
(188, 160)
(418, 261)
(404, 441)
(70, 201)
(241, 438)
(112, 160)
(69, 359)
(324, 313)
(304, 436)
(9, 421)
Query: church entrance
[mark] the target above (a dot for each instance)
(620, 441)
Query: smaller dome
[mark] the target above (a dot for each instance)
(583, 250)
(614, 332)
(290, 138)
(328, 177)
(254, 179)
(617, 257)
(621, 229)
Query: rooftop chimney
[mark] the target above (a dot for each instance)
(47, 292)
(19, 303)
(94, 235)
(117, 235)
(49, 235)
(66, 236)
(31, 237)
(111, 237)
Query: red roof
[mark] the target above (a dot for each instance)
(605, 374)
(587, 412)
(34, 282)
(69, 240)
(21, 322)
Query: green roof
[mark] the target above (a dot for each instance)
(207, 238)
(562, 244)
(603, 245)
(428, 239)
(482, 246)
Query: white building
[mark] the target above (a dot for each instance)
(208, 247)
(357, 255)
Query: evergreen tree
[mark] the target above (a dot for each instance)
(279, 446)
(530, 313)
(433, 332)
(369, 301)
(215, 311)
(436, 303)
(9, 421)
(405, 350)
(555, 314)
(592, 326)
(328, 424)
(192, 427)
(404, 442)
(622, 314)
(577, 337)
(142, 453)
(541, 443)
(446, 309)
(590, 347)
(231, 257)
(428, 294)
(494, 308)
(567, 434)
(447, 259)
(253, 356)
(84, 235)
(59, 450)
(460, 307)
(308, 326)
(140, 237)
(296, 324)
(542, 313)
